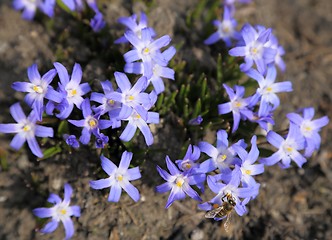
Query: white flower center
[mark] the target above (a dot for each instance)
(71, 92)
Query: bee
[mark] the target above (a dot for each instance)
(225, 210)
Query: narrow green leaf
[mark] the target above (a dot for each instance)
(50, 152)
(198, 108)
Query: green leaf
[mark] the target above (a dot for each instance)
(63, 128)
(198, 108)
(50, 152)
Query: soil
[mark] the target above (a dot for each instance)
(292, 204)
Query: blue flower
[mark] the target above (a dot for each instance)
(196, 121)
(309, 128)
(158, 71)
(119, 178)
(189, 161)
(91, 123)
(136, 28)
(177, 182)
(71, 140)
(248, 167)
(135, 120)
(147, 50)
(222, 156)
(288, 149)
(38, 89)
(254, 49)
(101, 140)
(226, 29)
(231, 188)
(61, 211)
(30, 7)
(26, 129)
(108, 105)
(131, 97)
(239, 106)
(97, 23)
(71, 89)
(268, 88)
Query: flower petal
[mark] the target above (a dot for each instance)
(131, 190)
(115, 193)
(101, 183)
(43, 212)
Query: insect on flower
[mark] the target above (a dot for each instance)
(223, 211)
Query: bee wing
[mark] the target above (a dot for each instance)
(212, 213)
(228, 221)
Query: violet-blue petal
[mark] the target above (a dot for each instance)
(224, 108)
(308, 113)
(69, 227)
(160, 42)
(10, 128)
(50, 226)
(134, 174)
(54, 198)
(133, 39)
(165, 187)
(100, 184)
(17, 112)
(273, 159)
(108, 166)
(212, 184)
(191, 192)
(85, 136)
(115, 193)
(42, 131)
(21, 86)
(207, 166)
(215, 37)
(42, 212)
(128, 133)
(173, 196)
(237, 52)
(248, 33)
(274, 139)
(125, 112)
(48, 76)
(104, 124)
(122, 81)
(144, 128)
(299, 159)
(165, 175)
(85, 88)
(33, 73)
(171, 166)
(62, 72)
(125, 160)
(208, 149)
(320, 122)
(34, 147)
(131, 191)
(67, 193)
(131, 56)
(169, 53)
(76, 211)
(158, 84)
(134, 67)
(53, 95)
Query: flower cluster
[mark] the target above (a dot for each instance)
(235, 166)
(30, 7)
(146, 57)
(229, 167)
